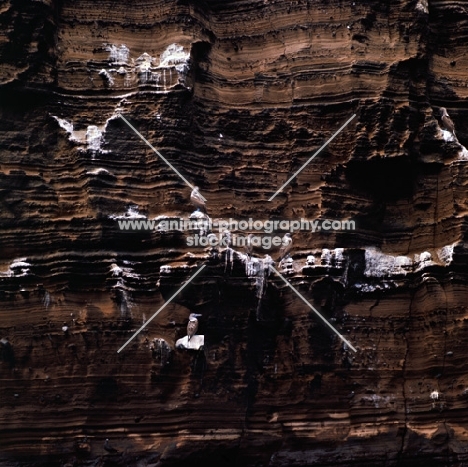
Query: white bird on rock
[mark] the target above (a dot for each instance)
(447, 121)
(197, 199)
(192, 326)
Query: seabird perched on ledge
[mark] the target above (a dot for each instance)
(447, 121)
(192, 326)
(197, 200)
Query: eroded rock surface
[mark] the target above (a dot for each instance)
(237, 95)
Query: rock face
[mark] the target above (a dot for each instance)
(237, 96)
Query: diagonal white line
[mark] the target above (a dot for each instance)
(167, 303)
(314, 310)
(158, 153)
(316, 152)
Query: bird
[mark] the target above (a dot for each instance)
(286, 244)
(108, 447)
(192, 326)
(447, 121)
(197, 199)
